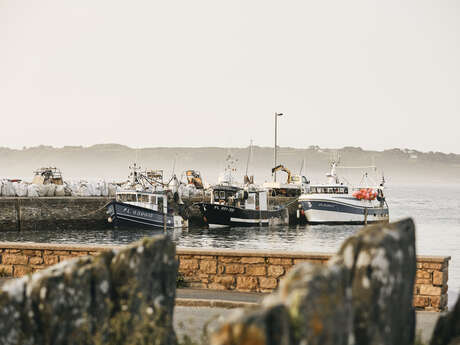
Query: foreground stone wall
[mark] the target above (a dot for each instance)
(119, 297)
(362, 296)
(52, 213)
(224, 269)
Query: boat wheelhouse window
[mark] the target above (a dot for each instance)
(142, 198)
(160, 204)
(222, 195)
(216, 195)
(127, 197)
(153, 199)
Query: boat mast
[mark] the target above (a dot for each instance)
(276, 139)
(249, 157)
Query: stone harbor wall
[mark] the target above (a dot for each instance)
(119, 297)
(225, 269)
(75, 212)
(44, 213)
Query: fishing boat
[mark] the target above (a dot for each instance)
(233, 205)
(143, 203)
(337, 202)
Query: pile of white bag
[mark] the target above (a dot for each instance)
(70, 188)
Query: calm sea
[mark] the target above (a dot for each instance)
(435, 209)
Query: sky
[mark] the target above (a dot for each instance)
(369, 73)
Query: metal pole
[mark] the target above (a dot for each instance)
(276, 140)
(276, 130)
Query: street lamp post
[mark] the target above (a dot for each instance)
(276, 140)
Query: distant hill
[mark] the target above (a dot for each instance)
(111, 162)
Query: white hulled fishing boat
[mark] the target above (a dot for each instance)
(336, 202)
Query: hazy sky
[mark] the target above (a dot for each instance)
(371, 73)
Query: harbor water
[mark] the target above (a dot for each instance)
(435, 209)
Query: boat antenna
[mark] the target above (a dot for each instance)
(174, 165)
(249, 157)
(301, 166)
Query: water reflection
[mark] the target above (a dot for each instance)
(298, 238)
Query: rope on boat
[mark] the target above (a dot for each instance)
(42, 204)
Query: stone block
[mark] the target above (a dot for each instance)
(50, 259)
(226, 281)
(204, 257)
(65, 257)
(423, 274)
(227, 259)
(439, 278)
(208, 266)
(188, 264)
(275, 271)
(432, 265)
(31, 252)
(6, 270)
(14, 259)
(421, 301)
(268, 283)
(252, 260)
(78, 253)
(216, 286)
(423, 281)
(256, 270)
(36, 260)
(234, 269)
(246, 283)
(56, 252)
(439, 302)
(430, 290)
(21, 270)
(280, 261)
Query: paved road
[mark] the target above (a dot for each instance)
(192, 319)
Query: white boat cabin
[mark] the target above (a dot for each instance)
(154, 201)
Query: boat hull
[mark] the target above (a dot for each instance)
(215, 216)
(123, 214)
(330, 211)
